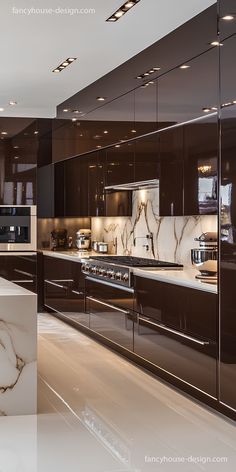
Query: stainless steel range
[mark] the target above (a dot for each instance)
(119, 269)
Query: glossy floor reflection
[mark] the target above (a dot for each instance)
(100, 413)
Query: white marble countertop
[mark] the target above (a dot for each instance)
(11, 289)
(185, 277)
(72, 255)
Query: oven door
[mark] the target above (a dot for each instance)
(18, 228)
(110, 309)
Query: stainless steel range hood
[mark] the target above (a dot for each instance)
(145, 184)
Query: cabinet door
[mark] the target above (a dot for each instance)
(227, 27)
(184, 93)
(201, 167)
(21, 270)
(96, 184)
(147, 163)
(120, 164)
(110, 312)
(228, 228)
(51, 191)
(76, 187)
(171, 172)
(64, 288)
(168, 334)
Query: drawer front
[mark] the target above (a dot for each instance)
(110, 293)
(20, 269)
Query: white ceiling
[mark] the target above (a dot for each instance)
(32, 45)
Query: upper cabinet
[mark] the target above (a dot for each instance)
(76, 187)
(147, 163)
(18, 161)
(96, 183)
(51, 191)
(120, 164)
(171, 175)
(201, 167)
(187, 91)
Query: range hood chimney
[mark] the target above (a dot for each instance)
(144, 184)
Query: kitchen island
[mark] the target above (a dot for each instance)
(18, 350)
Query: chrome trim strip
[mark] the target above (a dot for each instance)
(227, 406)
(174, 331)
(54, 284)
(22, 281)
(77, 293)
(93, 299)
(23, 272)
(110, 284)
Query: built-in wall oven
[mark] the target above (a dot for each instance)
(18, 227)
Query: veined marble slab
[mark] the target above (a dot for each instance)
(18, 350)
(173, 237)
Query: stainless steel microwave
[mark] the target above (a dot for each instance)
(18, 228)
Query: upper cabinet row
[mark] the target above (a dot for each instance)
(182, 159)
(180, 95)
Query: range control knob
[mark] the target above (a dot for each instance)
(90, 268)
(94, 269)
(125, 277)
(118, 275)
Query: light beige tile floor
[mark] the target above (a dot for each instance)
(100, 413)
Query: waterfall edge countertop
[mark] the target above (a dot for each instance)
(18, 350)
(185, 277)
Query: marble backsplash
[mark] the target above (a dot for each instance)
(173, 237)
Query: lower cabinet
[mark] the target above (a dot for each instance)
(176, 329)
(64, 288)
(20, 269)
(111, 312)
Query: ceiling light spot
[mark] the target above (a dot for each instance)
(65, 110)
(206, 109)
(1, 109)
(133, 131)
(74, 119)
(4, 133)
(228, 17)
(12, 103)
(122, 10)
(105, 132)
(56, 70)
(101, 99)
(119, 13)
(36, 132)
(216, 43)
(16, 157)
(64, 64)
(184, 66)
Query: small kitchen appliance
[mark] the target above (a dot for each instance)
(59, 239)
(205, 257)
(83, 239)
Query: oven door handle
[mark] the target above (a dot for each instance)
(96, 300)
(174, 331)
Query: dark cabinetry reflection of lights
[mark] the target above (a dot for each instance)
(64, 288)
(201, 167)
(96, 183)
(227, 15)
(20, 269)
(76, 187)
(171, 172)
(176, 329)
(147, 163)
(120, 164)
(228, 227)
(145, 108)
(51, 191)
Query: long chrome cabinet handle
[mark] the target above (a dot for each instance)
(110, 284)
(28, 281)
(108, 305)
(77, 293)
(22, 272)
(54, 284)
(174, 331)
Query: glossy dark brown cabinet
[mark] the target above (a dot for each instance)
(20, 269)
(96, 183)
(120, 164)
(176, 330)
(64, 288)
(201, 167)
(51, 191)
(228, 228)
(171, 172)
(76, 187)
(147, 162)
(110, 312)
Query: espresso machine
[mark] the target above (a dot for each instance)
(59, 239)
(83, 239)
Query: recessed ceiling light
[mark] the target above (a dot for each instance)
(133, 131)
(98, 146)
(184, 66)
(105, 132)
(36, 132)
(65, 110)
(1, 109)
(4, 133)
(206, 109)
(148, 72)
(228, 17)
(101, 99)
(117, 145)
(122, 10)
(64, 64)
(12, 103)
(216, 43)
